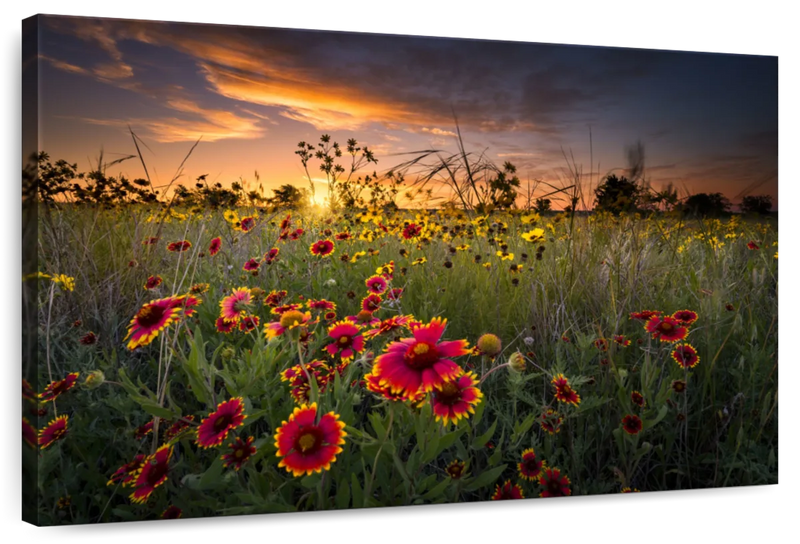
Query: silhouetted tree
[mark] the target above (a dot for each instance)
(761, 204)
(617, 194)
(705, 204)
(289, 197)
(542, 205)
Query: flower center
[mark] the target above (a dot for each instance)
(364, 316)
(309, 441)
(421, 355)
(344, 340)
(157, 471)
(448, 394)
(221, 423)
(666, 326)
(239, 454)
(149, 316)
(291, 319)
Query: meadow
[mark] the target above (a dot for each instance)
(202, 362)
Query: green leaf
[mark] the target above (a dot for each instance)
(401, 469)
(358, 494)
(212, 477)
(123, 514)
(437, 491)
(478, 414)
(449, 439)
(343, 496)
(488, 477)
(481, 441)
(523, 427)
(426, 483)
(377, 425)
(432, 447)
(160, 411)
(662, 412)
(311, 481)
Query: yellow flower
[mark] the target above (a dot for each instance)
(462, 247)
(357, 256)
(530, 219)
(421, 260)
(535, 235)
(65, 282)
(505, 256)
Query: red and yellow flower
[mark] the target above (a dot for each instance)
(56, 388)
(564, 392)
(454, 399)
(274, 298)
(307, 445)
(550, 421)
(272, 255)
(172, 512)
(248, 323)
(178, 427)
(632, 424)
(373, 384)
(152, 318)
(666, 328)
(215, 246)
(645, 315)
(530, 468)
(621, 340)
(251, 265)
(371, 303)
(322, 248)
(215, 428)
(686, 356)
(28, 392)
(236, 304)
(420, 362)
(29, 433)
(376, 284)
(322, 304)
(152, 473)
(153, 282)
(225, 326)
(638, 399)
(183, 245)
(456, 469)
(347, 342)
(53, 431)
(686, 317)
(289, 320)
(554, 483)
(507, 491)
(143, 430)
(241, 451)
(127, 473)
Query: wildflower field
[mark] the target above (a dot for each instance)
(202, 362)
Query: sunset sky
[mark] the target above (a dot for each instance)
(708, 122)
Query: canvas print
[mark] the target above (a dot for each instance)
(270, 270)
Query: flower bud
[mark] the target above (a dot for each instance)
(228, 353)
(94, 379)
(517, 362)
(490, 345)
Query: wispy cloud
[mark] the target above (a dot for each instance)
(210, 124)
